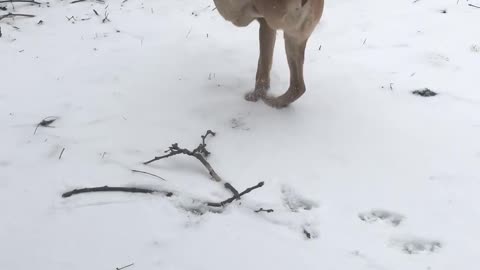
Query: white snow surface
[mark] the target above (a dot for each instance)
(380, 178)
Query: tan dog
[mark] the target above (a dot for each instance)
(297, 19)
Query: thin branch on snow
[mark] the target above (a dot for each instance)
(113, 189)
(46, 122)
(147, 173)
(151, 191)
(236, 197)
(199, 153)
(20, 1)
(475, 6)
(123, 267)
(13, 15)
(80, 1)
(264, 210)
(61, 154)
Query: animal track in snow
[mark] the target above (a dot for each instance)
(294, 201)
(417, 245)
(392, 218)
(238, 123)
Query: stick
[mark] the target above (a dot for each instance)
(46, 122)
(151, 174)
(112, 189)
(264, 210)
(12, 15)
(237, 197)
(61, 153)
(20, 1)
(199, 153)
(475, 6)
(126, 266)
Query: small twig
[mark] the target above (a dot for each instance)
(112, 189)
(264, 210)
(46, 122)
(237, 197)
(61, 153)
(424, 92)
(106, 19)
(475, 6)
(20, 1)
(307, 234)
(12, 15)
(123, 267)
(151, 174)
(199, 153)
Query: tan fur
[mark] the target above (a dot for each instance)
(297, 19)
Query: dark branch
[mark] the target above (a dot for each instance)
(112, 189)
(13, 15)
(61, 153)
(199, 153)
(475, 6)
(46, 122)
(237, 197)
(20, 1)
(80, 1)
(264, 210)
(126, 266)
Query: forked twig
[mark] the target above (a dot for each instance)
(236, 197)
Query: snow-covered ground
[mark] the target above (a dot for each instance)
(380, 178)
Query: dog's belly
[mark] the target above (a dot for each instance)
(239, 12)
(294, 16)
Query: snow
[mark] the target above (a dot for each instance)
(379, 178)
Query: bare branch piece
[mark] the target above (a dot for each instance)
(236, 197)
(123, 267)
(264, 210)
(475, 6)
(80, 1)
(113, 189)
(200, 153)
(147, 173)
(46, 122)
(20, 1)
(307, 234)
(13, 15)
(106, 19)
(61, 153)
(424, 92)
